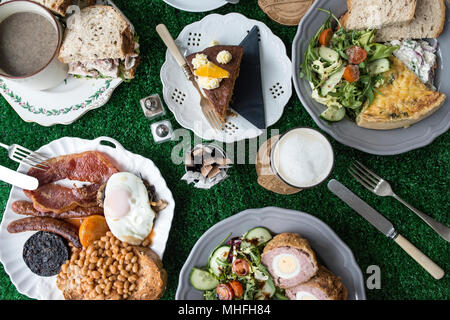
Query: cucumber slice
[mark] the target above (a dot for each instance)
(266, 292)
(333, 114)
(203, 280)
(220, 253)
(328, 54)
(262, 235)
(379, 66)
(331, 82)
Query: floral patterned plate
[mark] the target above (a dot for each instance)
(60, 105)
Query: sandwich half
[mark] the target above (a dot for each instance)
(60, 6)
(100, 43)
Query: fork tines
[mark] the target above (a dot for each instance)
(30, 158)
(364, 175)
(213, 120)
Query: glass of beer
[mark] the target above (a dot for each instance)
(302, 158)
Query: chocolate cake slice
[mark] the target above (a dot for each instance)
(220, 97)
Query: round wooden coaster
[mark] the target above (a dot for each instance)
(286, 12)
(266, 177)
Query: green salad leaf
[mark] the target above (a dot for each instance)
(340, 92)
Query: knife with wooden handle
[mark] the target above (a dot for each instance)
(166, 37)
(384, 226)
(18, 179)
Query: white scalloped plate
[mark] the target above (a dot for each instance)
(196, 5)
(63, 104)
(330, 249)
(184, 101)
(11, 245)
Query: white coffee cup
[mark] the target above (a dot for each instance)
(54, 72)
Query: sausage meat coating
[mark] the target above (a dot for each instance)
(61, 227)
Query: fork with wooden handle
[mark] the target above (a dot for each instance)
(207, 109)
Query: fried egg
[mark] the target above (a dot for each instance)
(127, 208)
(286, 266)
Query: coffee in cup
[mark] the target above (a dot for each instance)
(30, 38)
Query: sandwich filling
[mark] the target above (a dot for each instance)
(106, 68)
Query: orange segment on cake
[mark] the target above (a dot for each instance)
(216, 69)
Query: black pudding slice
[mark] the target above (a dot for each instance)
(45, 252)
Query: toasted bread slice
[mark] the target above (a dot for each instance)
(403, 101)
(220, 97)
(150, 285)
(428, 23)
(153, 277)
(374, 14)
(100, 33)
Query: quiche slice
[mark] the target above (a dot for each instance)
(403, 100)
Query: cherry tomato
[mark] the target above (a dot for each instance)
(240, 267)
(325, 37)
(351, 73)
(224, 292)
(356, 55)
(237, 288)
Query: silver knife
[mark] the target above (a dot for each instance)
(384, 226)
(18, 179)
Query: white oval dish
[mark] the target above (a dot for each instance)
(11, 245)
(184, 101)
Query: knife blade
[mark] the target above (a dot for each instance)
(18, 179)
(384, 226)
(248, 99)
(366, 211)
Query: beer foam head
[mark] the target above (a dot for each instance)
(303, 157)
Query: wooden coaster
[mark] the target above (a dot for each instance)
(286, 12)
(266, 177)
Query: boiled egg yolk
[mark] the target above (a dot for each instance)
(286, 266)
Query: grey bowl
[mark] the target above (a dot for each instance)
(331, 251)
(380, 142)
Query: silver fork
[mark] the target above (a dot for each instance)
(381, 187)
(23, 155)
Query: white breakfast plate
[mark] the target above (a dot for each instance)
(11, 245)
(63, 104)
(196, 5)
(184, 101)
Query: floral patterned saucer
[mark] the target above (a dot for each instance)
(61, 105)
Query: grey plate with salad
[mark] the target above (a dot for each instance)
(337, 82)
(249, 257)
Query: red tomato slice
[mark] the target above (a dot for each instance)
(325, 37)
(351, 73)
(237, 288)
(240, 267)
(356, 55)
(224, 292)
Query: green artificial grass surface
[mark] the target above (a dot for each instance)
(421, 177)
